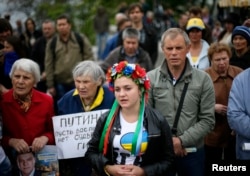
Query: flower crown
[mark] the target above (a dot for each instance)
(133, 71)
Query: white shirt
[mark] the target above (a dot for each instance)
(122, 143)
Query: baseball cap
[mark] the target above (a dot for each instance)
(195, 23)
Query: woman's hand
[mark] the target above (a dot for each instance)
(221, 109)
(38, 143)
(124, 170)
(19, 145)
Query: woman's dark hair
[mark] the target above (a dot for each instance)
(203, 32)
(26, 23)
(17, 45)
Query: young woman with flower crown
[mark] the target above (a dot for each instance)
(132, 138)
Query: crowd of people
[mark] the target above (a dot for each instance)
(177, 118)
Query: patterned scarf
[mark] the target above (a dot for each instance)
(23, 102)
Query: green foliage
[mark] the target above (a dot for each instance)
(52, 11)
(82, 13)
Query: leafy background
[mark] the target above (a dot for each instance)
(82, 12)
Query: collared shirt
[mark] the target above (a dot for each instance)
(131, 59)
(31, 174)
(97, 102)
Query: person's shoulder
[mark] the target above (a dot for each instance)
(142, 51)
(200, 75)
(79, 35)
(38, 173)
(208, 70)
(154, 71)
(104, 116)
(7, 95)
(117, 50)
(149, 29)
(41, 39)
(68, 95)
(153, 114)
(234, 69)
(114, 55)
(68, 101)
(106, 89)
(205, 43)
(245, 74)
(41, 95)
(197, 71)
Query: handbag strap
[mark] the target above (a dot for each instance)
(177, 116)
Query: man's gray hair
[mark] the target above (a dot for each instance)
(173, 33)
(131, 33)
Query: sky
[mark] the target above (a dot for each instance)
(15, 15)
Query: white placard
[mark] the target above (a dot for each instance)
(73, 131)
(246, 146)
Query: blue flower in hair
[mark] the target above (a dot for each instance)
(128, 70)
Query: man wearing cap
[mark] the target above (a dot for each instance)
(197, 54)
(241, 52)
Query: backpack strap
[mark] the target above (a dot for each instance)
(79, 41)
(53, 46)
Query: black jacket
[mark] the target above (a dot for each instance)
(159, 153)
(116, 56)
(149, 43)
(242, 61)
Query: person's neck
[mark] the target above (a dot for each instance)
(241, 52)
(49, 37)
(176, 71)
(138, 25)
(196, 44)
(132, 114)
(88, 101)
(223, 75)
(24, 98)
(65, 37)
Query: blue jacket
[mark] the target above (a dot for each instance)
(71, 103)
(238, 112)
(110, 45)
(9, 60)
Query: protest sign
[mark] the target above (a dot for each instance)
(73, 131)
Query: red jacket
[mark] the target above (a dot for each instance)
(36, 122)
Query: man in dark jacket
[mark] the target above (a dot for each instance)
(129, 51)
(39, 48)
(148, 36)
